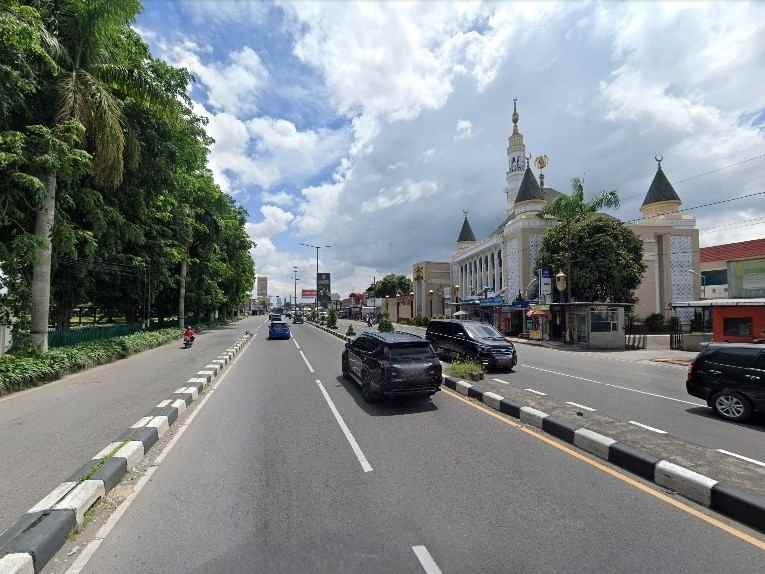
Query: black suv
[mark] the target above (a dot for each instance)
(473, 340)
(391, 364)
(731, 378)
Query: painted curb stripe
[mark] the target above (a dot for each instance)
(41, 539)
(559, 429)
(82, 498)
(691, 484)
(18, 563)
(593, 442)
(533, 417)
(745, 507)
(53, 497)
(633, 460)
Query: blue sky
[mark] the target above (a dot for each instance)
(370, 126)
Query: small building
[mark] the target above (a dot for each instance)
(733, 270)
(593, 325)
(719, 320)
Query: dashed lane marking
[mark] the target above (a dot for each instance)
(426, 560)
(614, 386)
(742, 457)
(540, 393)
(366, 467)
(307, 364)
(500, 381)
(580, 406)
(646, 427)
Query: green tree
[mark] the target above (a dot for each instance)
(605, 255)
(572, 209)
(391, 285)
(95, 69)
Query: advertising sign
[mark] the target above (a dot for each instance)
(308, 293)
(447, 292)
(545, 284)
(324, 288)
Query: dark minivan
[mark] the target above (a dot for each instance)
(453, 339)
(731, 378)
(391, 364)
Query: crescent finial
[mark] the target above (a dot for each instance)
(659, 158)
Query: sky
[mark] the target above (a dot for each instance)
(370, 126)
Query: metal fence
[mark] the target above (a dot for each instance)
(67, 337)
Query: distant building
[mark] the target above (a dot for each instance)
(496, 276)
(733, 270)
(432, 288)
(261, 291)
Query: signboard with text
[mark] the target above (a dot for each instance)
(324, 288)
(308, 293)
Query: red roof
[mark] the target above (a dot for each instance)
(733, 251)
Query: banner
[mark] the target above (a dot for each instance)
(308, 293)
(323, 285)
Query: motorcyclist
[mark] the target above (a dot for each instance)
(188, 335)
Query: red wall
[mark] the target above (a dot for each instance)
(758, 322)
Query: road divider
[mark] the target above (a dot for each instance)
(28, 545)
(717, 494)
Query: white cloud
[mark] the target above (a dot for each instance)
(233, 86)
(266, 151)
(320, 207)
(464, 130)
(277, 198)
(407, 192)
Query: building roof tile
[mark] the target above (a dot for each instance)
(733, 251)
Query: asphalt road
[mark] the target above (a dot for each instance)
(48, 432)
(645, 393)
(265, 479)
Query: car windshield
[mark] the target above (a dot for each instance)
(484, 332)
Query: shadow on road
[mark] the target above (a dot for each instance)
(387, 407)
(757, 422)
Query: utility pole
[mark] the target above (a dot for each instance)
(316, 247)
(294, 271)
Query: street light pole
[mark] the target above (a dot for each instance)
(294, 271)
(317, 247)
(430, 292)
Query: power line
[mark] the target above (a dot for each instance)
(719, 169)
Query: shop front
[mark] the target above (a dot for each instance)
(538, 322)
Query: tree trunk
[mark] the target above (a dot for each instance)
(182, 295)
(44, 219)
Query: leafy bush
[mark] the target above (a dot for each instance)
(465, 369)
(385, 326)
(19, 372)
(332, 319)
(654, 323)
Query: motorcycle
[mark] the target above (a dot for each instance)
(187, 342)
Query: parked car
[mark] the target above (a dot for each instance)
(298, 319)
(274, 317)
(480, 342)
(278, 330)
(731, 378)
(392, 364)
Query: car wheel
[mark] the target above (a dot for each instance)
(732, 406)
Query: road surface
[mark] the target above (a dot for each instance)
(286, 469)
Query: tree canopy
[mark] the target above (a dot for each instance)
(391, 285)
(83, 99)
(602, 257)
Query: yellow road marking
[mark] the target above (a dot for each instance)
(740, 534)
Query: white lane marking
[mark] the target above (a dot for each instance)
(585, 407)
(540, 393)
(654, 429)
(500, 381)
(426, 560)
(346, 431)
(82, 560)
(296, 343)
(752, 460)
(307, 364)
(614, 386)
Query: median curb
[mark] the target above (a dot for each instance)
(337, 334)
(28, 545)
(731, 501)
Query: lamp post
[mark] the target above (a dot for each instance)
(457, 297)
(294, 271)
(316, 247)
(561, 283)
(411, 294)
(430, 292)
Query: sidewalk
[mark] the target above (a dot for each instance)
(49, 430)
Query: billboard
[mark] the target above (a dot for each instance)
(308, 293)
(323, 286)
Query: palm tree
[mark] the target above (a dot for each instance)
(91, 38)
(570, 209)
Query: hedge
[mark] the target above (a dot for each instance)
(17, 373)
